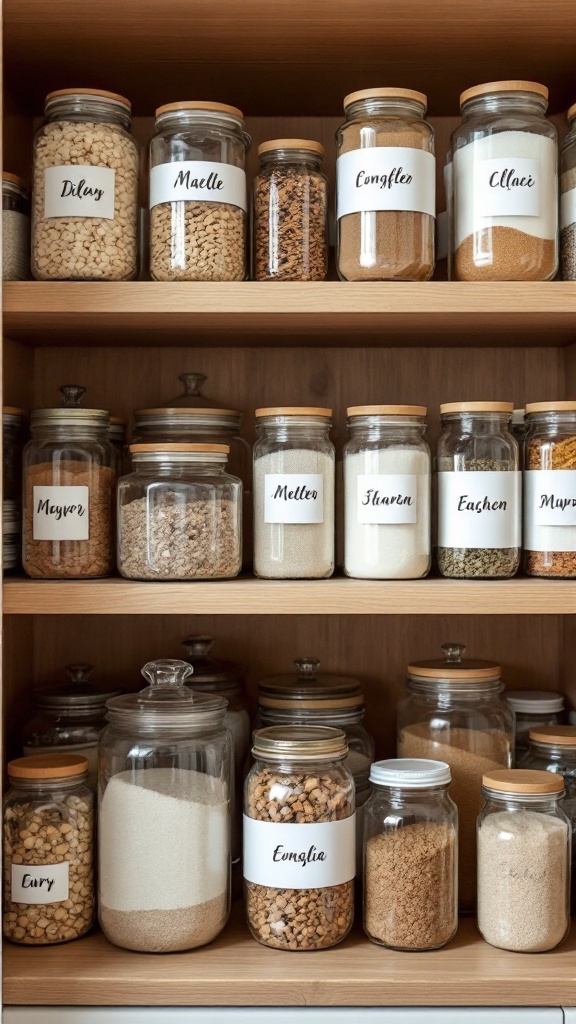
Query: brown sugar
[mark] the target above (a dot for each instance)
(505, 254)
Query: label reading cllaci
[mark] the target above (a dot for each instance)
(60, 513)
(479, 509)
(386, 178)
(387, 498)
(198, 181)
(35, 883)
(79, 191)
(507, 187)
(299, 856)
(293, 498)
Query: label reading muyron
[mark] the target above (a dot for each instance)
(479, 510)
(198, 181)
(386, 178)
(549, 508)
(60, 513)
(293, 498)
(39, 883)
(78, 191)
(387, 498)
(306, 856)
(507, 187)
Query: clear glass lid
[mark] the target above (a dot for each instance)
(306, 743)
(71, 411)
(190, 406)
(211, 674)
(453, 667)
(167, 700)
(79, 692)
(309, 688)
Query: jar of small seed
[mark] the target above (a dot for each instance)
(550, 490)
(479, 492)
(568, 200)
(15, 228)
(290, 212)
(48, 850)
(299, 838)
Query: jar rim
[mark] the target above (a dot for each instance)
(201, 106)
(69, 417)
(523, 781)
(386, 410)
(410, 773)
(535, 407)
(453, 407)
(535, 701)
(386, 93)
(293, 410)
(13, 180)
(554, 735)
(304, 742)
(306, 144)
(515, 85)
(114, 98)
(184, 448)
(48, 766)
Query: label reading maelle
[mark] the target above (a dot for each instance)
(299, 856)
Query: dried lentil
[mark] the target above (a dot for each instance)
(192, 241)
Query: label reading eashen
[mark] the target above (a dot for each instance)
(507, 187)
(79, 191)
(60, 513)
(386, 178)
(198, 181)
(34, 883)
(479, 509)
(387, 498)
(299, 856)
(293, 498)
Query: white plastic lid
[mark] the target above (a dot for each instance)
(535, 702)
(410, 773)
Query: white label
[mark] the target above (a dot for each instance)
(60, 513)
(77, 191)
(388, 498)
(567, 208)
(293, 498)
(39, 883)
(507, 187)
(307, 856)
(550, 510)
(479, 510)
(386, 178)
(198, 181)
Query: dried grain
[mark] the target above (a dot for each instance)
(197, 242)
(290, 224)
(155, 931)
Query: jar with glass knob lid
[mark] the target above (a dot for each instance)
(533, 709)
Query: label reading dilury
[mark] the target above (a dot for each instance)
(39, 883)
(386, 178)
(387, 498)
(60, 513)
(79, 191)
(507, 187)
(479, 509)
(293, 498)
(198, 181)
(302, 856)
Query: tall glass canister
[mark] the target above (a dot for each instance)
(550, 490)
(15, 228)
(568, 200)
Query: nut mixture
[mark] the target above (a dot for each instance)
(50, 833)
(192, 241)
(560, 455)
(290, 213)
(86, 248)
(298, 919)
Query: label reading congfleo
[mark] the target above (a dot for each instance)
(198, 181)
(386, 178)
(299, 856)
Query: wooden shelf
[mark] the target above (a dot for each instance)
(431, 314)
(248, 596)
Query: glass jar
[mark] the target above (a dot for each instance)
(518, 430)
(549, 495)
(85, 192)
(69, 718)
(198, 197)
(48, 850)
(15, 228)
(505, 156)
(12, 442)
(533, 709)
(523, 861)
(226, 679)
(179, 514)
(410, 855)
(386, 187)
(299, 880)
(293, 493)
(568, 200)
(387, 477)
(69, 482)
(11, 537)
(290, 222)
(118, 442)
(454, 713)
(165, 763)
(479, 514)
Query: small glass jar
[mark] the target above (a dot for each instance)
(85, 192)
(69, 718)
(290, 220)
(179, 514)
(165, 769)
(299, 881)
(549, 495)
(293, 493)
(69, 482)
(533, 709)
(479, 492)
(386, 187)
(410, 855)
(505, 212)
(387, 477)
(523, 861)
(48, 850)
(15, 228)
(568, 200)
(198, 197)
(454, 713)
(118, 442)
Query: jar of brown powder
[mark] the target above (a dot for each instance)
(550, 490)
(386, 184)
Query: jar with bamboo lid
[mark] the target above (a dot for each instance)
(568, 200)
(386, 187)
(550, 490)
(15, 228)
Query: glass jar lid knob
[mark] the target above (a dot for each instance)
(72, 395)
(307, 667)
(453, 653)
(193, 383)
(79, 674)
(198, 646)
(166, 678)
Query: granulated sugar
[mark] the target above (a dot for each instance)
(155, 931)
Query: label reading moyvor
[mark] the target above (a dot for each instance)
(307, 856)
(507, 187)
(386, 178)
(387, 498)
(293, 498)
(479, 510)
(78, 191)
(44, 883)
(198, 181)
(60, 513)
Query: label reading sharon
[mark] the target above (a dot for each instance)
(293, 498)
(60, 513)
(567, 210)
(479, 509)
(79, 191)
(386, 178)
(35, 883)
(387, 498)
(198, 181)
(305, 856)
(507, 187)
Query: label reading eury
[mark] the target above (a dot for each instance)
(387, 498)
(307, 856)
(479, 510)
(78, 191)
(386, 178)
(293, 498)
(198, 181)
(45, 883)
(507, 187)
(60, 513)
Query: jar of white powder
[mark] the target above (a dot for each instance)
(293, 494)
(387, 493)
(523, 861)
(164, 827)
